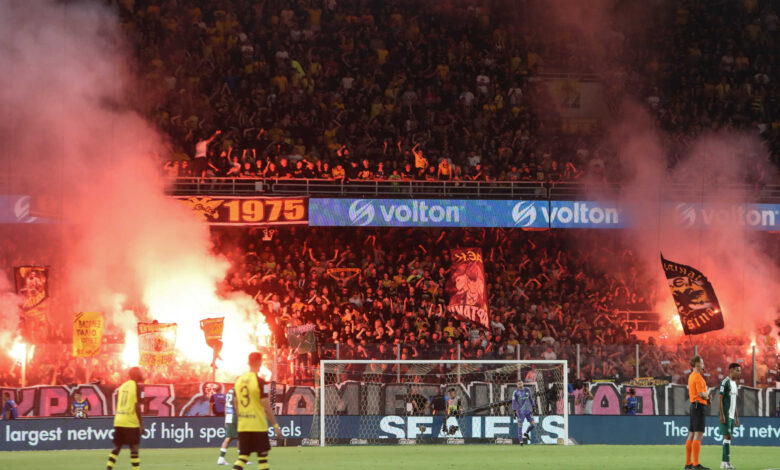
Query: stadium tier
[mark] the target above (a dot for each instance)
(411, 226)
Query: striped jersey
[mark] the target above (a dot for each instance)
(728, 390)
(230, 398)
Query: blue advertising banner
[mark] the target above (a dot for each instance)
(15, 209)
(97, 433)
(70, 433)
(425, 213)
(765, 217)
(531, 214)
(585, 214)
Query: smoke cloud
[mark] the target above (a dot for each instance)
(9, 311)
(72, 136)
(733, 257)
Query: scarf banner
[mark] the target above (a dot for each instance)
(466, 287)
(156, 343)
(342, 275)
(302, 339)
(87, 334)
(695, 298)
(32, 284)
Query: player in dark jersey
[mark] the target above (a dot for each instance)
(523, 407)
(79, 407)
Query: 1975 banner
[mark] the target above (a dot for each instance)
(257, 211)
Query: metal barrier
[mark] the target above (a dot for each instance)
(455, 189)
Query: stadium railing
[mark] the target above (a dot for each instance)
(359, 188)
(610, 362)
(455, 189)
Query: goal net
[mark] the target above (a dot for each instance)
(439, 401)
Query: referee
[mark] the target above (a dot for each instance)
(697, 392)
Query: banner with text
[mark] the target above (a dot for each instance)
(83, 434)
(32, 285)
(156, 343)
(694, 297)
(192, 399)
(254, 211)
(467, 287)
(533, 214)
(87, 334)
(212, 329)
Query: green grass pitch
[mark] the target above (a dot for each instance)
(423, 457)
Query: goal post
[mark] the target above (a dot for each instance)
(399, 401)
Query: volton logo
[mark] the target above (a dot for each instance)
(361, 212)
(22, 210)
(685, 215)
(524, 213)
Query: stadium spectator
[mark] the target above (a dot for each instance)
(9, 408)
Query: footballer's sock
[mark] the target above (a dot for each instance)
(262, 462)
(688, 451)
(239, 465)
(222, 452)
(726, 450)
(696, 448)
(135, 460)
(112, 459)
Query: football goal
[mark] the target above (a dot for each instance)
(439, 401)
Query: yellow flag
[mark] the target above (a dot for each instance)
(87, 334)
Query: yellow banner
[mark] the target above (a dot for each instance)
(156, 343)
(212, 329)
(87, 334)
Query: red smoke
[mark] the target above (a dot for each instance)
(72, 135)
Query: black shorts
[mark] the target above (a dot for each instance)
(249, 442)
(698, 412)
(127, 436)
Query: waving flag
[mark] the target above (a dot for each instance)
(695, 298)
(302, 339)
(466, 287)
(32, 284)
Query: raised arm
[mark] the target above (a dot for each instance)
(208, 141)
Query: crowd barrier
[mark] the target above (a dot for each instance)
(193, 399)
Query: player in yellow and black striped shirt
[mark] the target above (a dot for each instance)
(253, 410)
(128, 424)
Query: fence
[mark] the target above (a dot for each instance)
(450, 189)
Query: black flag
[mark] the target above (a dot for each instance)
(695, 298)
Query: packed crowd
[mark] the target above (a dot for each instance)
(355, 89)
(381, 294)
(448, 91)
